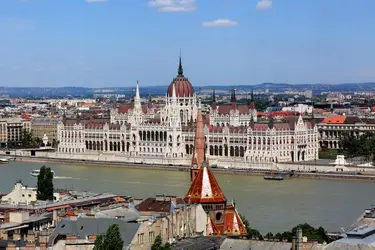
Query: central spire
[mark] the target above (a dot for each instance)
(180, 70)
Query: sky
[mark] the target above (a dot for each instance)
(114, 43)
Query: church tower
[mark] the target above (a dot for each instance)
(198, 153)
(204, 189)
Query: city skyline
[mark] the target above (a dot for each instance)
(98, 43)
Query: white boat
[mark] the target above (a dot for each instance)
(4, 160)
(36, 172)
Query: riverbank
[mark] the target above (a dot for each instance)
(308, 175)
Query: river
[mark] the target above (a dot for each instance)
(270, 206)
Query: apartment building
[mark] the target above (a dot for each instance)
(11, 130)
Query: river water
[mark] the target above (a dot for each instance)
(270, 206)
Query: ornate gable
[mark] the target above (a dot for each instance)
(300, 125)
(233, 223)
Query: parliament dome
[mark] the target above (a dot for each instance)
(182, 85)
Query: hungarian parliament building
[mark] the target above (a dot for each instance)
(164, 133)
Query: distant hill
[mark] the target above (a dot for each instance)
(36, 92)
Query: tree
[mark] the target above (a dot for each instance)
(269, 235)
(167, 246)
(45, 184)
(98, 244)
(158, 244)
(112, 239)
(312, 233)
(251, 233)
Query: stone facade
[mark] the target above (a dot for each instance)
(45, 126)
(139, 132)
(331, 129)
(11, 130)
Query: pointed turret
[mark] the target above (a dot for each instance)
(233, 99)
(233, 223)
(149, 102)
(137, 91)
(180, 69)
(213, 100)
(137, 98)
(270, 121)
(198, 154)
(174, 98)
(252, 103)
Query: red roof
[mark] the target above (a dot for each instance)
(183, 87)
(205, 188)
(225, 109)
(211, 227)
(334, 120)
(126, 107)
(233, 223)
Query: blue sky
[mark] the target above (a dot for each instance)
(98, 43)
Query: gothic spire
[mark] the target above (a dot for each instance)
(252, 95)
(233, 99)
(233, 95)
(149, 102)
(213, 96)
(137, 98)
(137, 91)
(174, 98)
(180, 70)
(270, 121)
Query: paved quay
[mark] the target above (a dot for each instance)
(370, 176)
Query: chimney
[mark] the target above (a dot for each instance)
(299, 240)
(91, 237)
(11, 246)
(71, 238)
(30, 246)
(294, 243)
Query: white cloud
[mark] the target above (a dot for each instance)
(173, 5)
(219, 23)
(264, 5)
(96, 1)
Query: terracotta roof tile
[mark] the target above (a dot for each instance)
(153, 205)
(233, 223)
(205, 188)
(334, 120)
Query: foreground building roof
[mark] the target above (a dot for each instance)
(84, 227)
(233, 222)
(205, 188)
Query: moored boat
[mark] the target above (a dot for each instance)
(4, 160)
(275, 177)
(36, 172)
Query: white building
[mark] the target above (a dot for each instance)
(20, 194)
(141, 132)
(299, 108)
(23, 195)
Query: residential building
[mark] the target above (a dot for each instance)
(45, 126)
(20, 194)
(11, 130)
(23, 195)
(332, 129)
